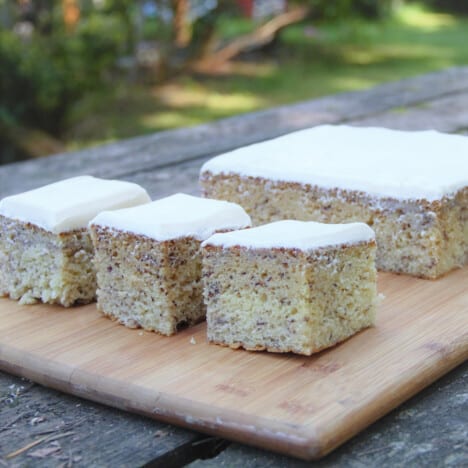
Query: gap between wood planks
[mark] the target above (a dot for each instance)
(202, 449)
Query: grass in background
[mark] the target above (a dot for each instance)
(308, 61)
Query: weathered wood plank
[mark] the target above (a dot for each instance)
(101, 436)
(170, 147)
(428, 430)
(446, 114)
(166, 181)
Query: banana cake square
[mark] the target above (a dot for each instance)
(410, 187)
(148, 259)
(289, 286)
(45, 249)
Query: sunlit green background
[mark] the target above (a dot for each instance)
(316, 57)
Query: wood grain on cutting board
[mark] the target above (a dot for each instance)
(301, 406)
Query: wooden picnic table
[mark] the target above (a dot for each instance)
(42, 427)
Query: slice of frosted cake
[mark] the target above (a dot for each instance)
(148, 259)
(45, 248)
(411, 187)
(289, 286)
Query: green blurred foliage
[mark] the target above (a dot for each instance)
(43, 75)
(339, 9)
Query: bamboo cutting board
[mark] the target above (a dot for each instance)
(301, 406)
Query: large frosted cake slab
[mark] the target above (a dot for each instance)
(410, 187)
(389, 163)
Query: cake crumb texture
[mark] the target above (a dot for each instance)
(417, 237)
(288, 300)
(37, 265)
(146, 283)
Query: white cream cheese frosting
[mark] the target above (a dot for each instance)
(388, 163)
(71, 203)
(290, 234)
(177, 216)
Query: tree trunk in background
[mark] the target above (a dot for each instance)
(181, 24)
(204, 32)
(207, 42)
(258, 38)
(196, 48)
(71, 14)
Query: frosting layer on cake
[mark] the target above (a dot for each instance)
(388, 163)
(289, 234)
(71, 203)
(177, 216)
